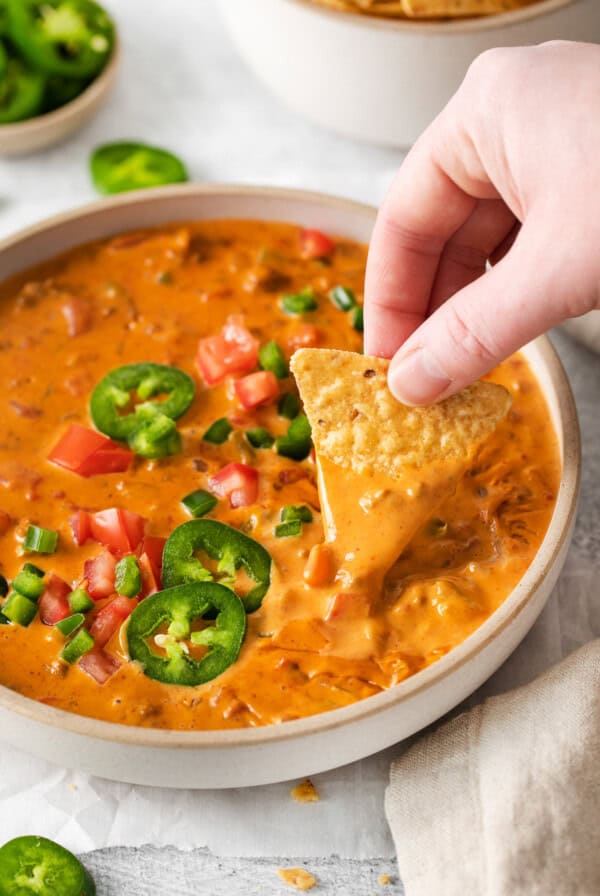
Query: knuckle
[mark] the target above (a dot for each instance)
(475, 345)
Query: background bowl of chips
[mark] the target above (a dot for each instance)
(379, 78)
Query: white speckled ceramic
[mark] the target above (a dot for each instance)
(381, 80)
(261, 755)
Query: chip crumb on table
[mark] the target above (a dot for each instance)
(299, 878)
(305, 792)
(384, 880)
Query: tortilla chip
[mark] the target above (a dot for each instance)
(357, 422)
(420, 9)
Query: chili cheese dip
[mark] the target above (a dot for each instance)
(160, 525)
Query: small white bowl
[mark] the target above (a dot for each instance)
(382, 81)
(37, 133)
(219, 759)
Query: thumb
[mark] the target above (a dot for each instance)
(478, 327)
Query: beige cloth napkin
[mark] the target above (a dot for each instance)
(504, 800)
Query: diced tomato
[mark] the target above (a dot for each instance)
(99, 664)
(238, 482)
(80, 526)
(150, 577)
(257, 389)
(315, 244)
(110, 618)
(233, 350)
(153, 546)
(120, 530)
(53, 603)
(100, 575)
(88, 453)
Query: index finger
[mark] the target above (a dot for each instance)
(426, 205)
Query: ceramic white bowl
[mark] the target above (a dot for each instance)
(377, 80)
(37, 133)
(294, 749)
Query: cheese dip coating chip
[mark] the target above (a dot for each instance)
(356, 420)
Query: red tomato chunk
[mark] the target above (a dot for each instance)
(233, 350)
(120, 530)
(99, 665)
(100, 575)
(88, 453)
(315, 244)
(110, 618)
(257, 389)
(54, 603)
(238, 482)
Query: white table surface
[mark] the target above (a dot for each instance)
(183, 87)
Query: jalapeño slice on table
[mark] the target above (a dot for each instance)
(180, 607)
(231, 548)
(148, 428)
(119, 167)
(21, 91)
(43, 868)
(73, 38)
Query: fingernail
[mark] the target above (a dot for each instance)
(417, 378)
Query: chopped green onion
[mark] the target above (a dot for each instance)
(296, 512)
(289, 405)
(128, 578)
(357, 318)
(70, 624)
(271, 357)
(199, 503)
(3, 587)
(285, 530)
(28, 584)
(300, 302)
(80, 601)
(31, 567)
(20, 609)
(260, 437)
(343, 298)
(296, 443)
(77, 646)
(218, 432)
(40, 541)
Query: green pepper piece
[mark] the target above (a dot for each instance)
(19, 609)
(40, 541)
(260, 437)
(60, 91)
(271, 357)
(70, 624)
(3, 19)
(300, 302)
(128, 578)
(296, 443)
(296, 512)
(180, 605)
(284, 530)
(31, 567)
(357, 319)
(158, 437)
(147, 379)
(21, 91)
(80, 601)
(289, 405)
(119, 167)
(343, 298)
(80, 644)
(219, 541)
(40, 867)
(28, 584)
(218, 432)
(74, 38)
(199, 503)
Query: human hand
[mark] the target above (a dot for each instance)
(510, 172)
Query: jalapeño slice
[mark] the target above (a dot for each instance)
(179, 607)
(73, 38)
(43, 868)
(120, 167)
(146, 379)
(21, 91)
(231, 548)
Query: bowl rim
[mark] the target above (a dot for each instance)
(514, 604)
(93, 92)
(480, 24)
